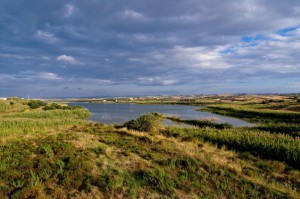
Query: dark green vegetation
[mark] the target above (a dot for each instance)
(275, 116)
(201, 123)
(148, 122)
(33, 104)
(255, 113)
(51, 152)
(276, 147)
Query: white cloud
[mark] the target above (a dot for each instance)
(47, 37)
(198, 57)
(146, 79)
(28, 75)
(269, 55)
(7, 55)
(69, 10)
(49, 76)
(275, 55)
(168, 82)
(193, 18)
(189, 58)
(131, 14)
(67, 59)
(141, 37)
(136, 59)
(7, 77)
(156, 81)
(277, 37)
(44, 57)
(92, 81)
(297, 10)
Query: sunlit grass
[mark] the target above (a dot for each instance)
(273, 146)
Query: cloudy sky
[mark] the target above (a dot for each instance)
(59, 48)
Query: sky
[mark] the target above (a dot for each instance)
(69, 48)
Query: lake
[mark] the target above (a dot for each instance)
(120, 113)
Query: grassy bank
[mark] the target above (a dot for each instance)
(255, 114)
(271, 146)
(279, 118)
(22, 120)
(201, 123)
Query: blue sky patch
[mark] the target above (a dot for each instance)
(285, 31)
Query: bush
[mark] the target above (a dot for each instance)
(33, 104)
(53, 106)
(71, 107)
(148, 122)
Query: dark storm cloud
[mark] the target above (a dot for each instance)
(106, 47)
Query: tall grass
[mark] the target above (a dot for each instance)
(273, 146)
(79, 113)
(38, 121)
(12, 106)
(18, 126)
(289, 129)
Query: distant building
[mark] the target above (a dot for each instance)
(3, 98)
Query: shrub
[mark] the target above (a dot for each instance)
(55, 106)
(52, 107)
(71, 107)
(33, 104)
(148, 122)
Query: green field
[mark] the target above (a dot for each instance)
(53, 152)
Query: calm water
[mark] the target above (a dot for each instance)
(120, 113)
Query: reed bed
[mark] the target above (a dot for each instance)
(79, 113)
(271, 146)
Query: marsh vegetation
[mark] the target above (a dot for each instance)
(54, 153)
